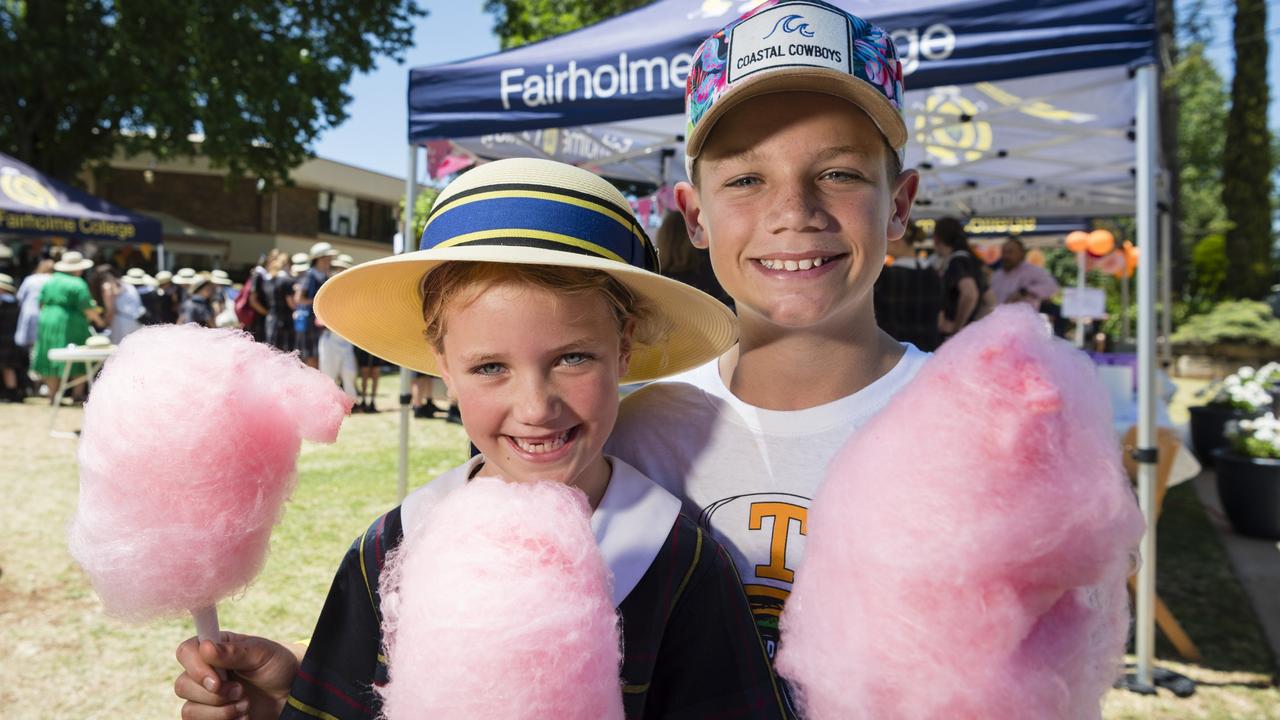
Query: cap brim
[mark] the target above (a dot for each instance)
(804, 79)
(378, 307)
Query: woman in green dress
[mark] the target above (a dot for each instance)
(66, 308)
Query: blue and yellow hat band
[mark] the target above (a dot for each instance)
(542, 216)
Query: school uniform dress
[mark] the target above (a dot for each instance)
(308, 335)
(690, 649)
(279, 322)
(198, 310)
(63, 300)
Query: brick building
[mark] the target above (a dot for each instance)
(212, 222)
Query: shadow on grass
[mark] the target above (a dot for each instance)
(1194, 579)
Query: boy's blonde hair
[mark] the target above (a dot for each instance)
(454, 282)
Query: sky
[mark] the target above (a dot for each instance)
(373, 137)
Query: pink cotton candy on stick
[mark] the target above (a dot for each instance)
(967, 553)
(187, 454)
(498, 605)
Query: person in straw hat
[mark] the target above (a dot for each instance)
(122, 307)
(13, 359)
(162, 302)
(66, 309)
(535, 296)
(307, 334)
(337, 354)
(197, 307)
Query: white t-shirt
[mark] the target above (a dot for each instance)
(745, 473)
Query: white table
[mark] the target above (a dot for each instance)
(92, 357)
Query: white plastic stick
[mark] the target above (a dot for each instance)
(207, 629)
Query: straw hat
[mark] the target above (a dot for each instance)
(343, 261)
(97, 341)
(299, 268)
(137, 276)
(299, 258)
(198, 282)
(533, 212)
(185, 276)
(6, 283)
(163, 277)
(220, 277)
(319, 250)
(72, 261)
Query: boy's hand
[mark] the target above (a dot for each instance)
(264, 670)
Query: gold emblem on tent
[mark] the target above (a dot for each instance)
(550, 141)
(26, 190)
(948, 128)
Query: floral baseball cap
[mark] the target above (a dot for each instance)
(795, 45)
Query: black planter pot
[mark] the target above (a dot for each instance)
(1207, 425)
(1249, 489)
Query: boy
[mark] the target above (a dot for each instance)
(796, 187)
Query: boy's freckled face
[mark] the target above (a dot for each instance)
(536, 378)
(794, 197)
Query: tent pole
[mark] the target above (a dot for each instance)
(1081, 323)
(1166, 287)
(406, 239)
(1124, 309)
(1145, 453)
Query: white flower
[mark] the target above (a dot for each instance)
(1245, 373)
(1269, 372)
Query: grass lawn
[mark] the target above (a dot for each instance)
(62, 658)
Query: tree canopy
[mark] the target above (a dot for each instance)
(1246, 177)
(520, 22)
(256, 81)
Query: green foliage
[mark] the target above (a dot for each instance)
(259, 80)
(520, 22)
(1209, 268)
(421, 208)
(1202, 118)
(1233, 321)
(1246, 188)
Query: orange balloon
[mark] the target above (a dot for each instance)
(1130, 258)
(1077, 241)
(1035, 257)
(1101, 242)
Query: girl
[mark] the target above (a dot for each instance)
(535, 298)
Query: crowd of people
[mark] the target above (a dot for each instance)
(924, 299)
(67, 299)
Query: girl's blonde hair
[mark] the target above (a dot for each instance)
(454, 282)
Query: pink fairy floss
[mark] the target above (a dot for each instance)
(188, 452)
(498, 605)
(968, 551)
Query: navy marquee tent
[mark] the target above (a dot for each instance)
(32, 203)
(1042, 108)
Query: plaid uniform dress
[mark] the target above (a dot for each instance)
(690, 646)
(308, 338)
